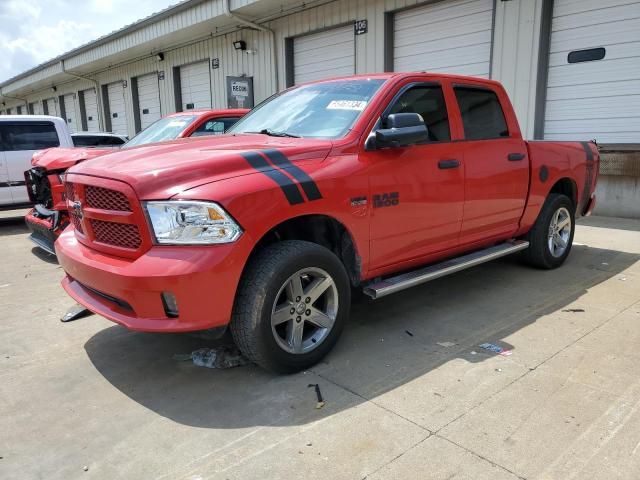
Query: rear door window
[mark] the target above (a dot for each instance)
(28, 136)
(482, 114)
(215, 126)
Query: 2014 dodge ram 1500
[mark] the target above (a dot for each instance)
(379, 182)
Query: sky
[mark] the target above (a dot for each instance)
(34, 31)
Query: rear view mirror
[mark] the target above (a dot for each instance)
(402, 129)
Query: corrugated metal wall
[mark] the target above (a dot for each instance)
(515, 51)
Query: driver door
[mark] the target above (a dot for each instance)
(417, 191)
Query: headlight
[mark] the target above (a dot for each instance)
(187, 223)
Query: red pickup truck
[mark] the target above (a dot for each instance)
(49, 217)
(377, 182)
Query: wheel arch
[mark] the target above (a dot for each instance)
(566, 186)
(320, 229)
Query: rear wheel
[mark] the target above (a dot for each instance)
(551, 237)
(291, 306)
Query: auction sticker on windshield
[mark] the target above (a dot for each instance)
(177, 123)
(357, 105)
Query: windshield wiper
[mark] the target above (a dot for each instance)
(275, 133)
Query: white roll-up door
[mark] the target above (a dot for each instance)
(330, 53)
(117, 109)
(449, 36)
(52, 107)
(91, 110)
(70, 113)
(195, 86)
(594, 98)
(36, 108)
(148, 99)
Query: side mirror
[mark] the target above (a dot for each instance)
(402, 129)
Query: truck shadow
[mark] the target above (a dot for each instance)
(388, 343)
(13, 225)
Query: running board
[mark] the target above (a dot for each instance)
(403, 281)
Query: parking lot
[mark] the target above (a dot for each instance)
(409, 392)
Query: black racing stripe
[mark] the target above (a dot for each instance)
(289, 188)
(588, 151)
(306, 182)
(588, 178)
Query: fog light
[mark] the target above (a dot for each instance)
(170, 304)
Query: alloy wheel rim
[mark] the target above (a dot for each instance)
(559, 232)
(304, 311)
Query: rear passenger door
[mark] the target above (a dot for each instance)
(5, 193)
(496, 166)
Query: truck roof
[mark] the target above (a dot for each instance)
(208, 111)
(31, 118)
(400, 75)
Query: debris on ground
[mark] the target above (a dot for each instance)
(492, 347)
(220, 357)
(74, 313)
(85, 468)
(574, 310)
(5, 285)
(320, 403)
(408, 333)
(446, 344)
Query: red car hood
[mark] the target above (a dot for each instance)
(59, 158)
(161, 171)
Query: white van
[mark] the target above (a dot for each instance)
(20, 137)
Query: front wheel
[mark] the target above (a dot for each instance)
(551, 237)
(291, 306)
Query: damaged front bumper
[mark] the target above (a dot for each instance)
(45, 226)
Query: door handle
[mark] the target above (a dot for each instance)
(514, 157)
(451, 163)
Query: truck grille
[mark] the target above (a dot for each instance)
(105, 199)
(119, 234)
(107, 215)
(69, 191)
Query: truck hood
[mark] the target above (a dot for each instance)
(161, 171)
(60, 158)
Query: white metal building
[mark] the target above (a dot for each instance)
(546, 52)
(572, 67)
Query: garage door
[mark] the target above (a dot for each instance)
(449, 36)
(117, 111)
(195, 86)
(593, 88)
(51, 107)
(70, 113)
(330, 53)
(148, 99)
(91, 110)
(36, 108)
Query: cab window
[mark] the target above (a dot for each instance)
(28, 136)
(482, 115)
(216, 126)
(427, 101)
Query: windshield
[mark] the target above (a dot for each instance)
(319, 110)
(167, 128)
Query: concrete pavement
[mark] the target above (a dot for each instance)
(409, 393)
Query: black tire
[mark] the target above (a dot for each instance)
(261, 286)
(539, 253)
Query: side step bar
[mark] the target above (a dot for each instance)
(403, 281)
